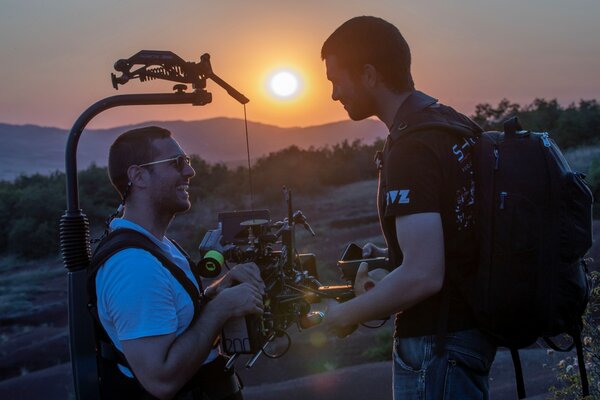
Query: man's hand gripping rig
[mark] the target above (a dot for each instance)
(290, 278)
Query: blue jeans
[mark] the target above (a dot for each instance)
(460, 371)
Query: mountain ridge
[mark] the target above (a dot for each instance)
(28, 149)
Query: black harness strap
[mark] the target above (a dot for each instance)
(211, 381)
(576, 336)
(518, 373)
(585, 385)
(114, 242)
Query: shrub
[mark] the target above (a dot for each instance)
(573, 126)
(31, 206)
(593, 179)
(568, 375)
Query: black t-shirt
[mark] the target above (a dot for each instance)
(430, 170)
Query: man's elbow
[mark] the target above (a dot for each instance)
(161, 390)
(436, 285)
(433, 284)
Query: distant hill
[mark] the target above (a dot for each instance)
(28, 149)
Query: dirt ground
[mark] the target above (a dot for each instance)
(364, 381)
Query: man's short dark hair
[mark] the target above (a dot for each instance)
(133, 147)
(371, 40)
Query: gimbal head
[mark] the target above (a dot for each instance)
(166, 65)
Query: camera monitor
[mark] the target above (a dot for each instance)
(231, 223)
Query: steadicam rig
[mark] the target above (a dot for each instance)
(74, 225)
(166, 65)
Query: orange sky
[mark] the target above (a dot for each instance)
(57, 56)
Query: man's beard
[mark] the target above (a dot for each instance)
(171, 203)
(362, 105)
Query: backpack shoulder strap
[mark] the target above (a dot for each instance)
(435, 117)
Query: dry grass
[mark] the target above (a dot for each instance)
(21, 282)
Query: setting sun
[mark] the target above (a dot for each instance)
(284, 84)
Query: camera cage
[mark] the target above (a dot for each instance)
(291, 279)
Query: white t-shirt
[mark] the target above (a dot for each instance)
(139, 297)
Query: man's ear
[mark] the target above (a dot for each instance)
(369, 75)
(137, 175)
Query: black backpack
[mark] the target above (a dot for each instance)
(534, 218)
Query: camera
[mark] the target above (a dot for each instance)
(291, 279)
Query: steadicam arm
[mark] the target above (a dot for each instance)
(166, 65)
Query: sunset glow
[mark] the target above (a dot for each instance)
(284, 84)
(462, 54)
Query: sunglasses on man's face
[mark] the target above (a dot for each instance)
(180, 162)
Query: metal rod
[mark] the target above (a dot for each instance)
(196, 98)
(230, 90)
(231, 361)
(252, 361)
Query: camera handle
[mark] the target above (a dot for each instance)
(300, 218)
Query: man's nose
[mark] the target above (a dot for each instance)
(188, 171)
(334, 94)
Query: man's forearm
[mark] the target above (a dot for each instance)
(175, 359)
(399, 290)
(187, 353)
(163, 363)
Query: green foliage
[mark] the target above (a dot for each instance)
(215, 180)
(308, 171)
(575, 125)
(29, 212)
(31, 207)
(593, 179)
(381, 349)
(568, 372)
(490, 118)
(97, 196)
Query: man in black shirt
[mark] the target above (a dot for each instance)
(425, 204)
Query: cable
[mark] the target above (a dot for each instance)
(383, 321)
(280, 333)
(249, 167)
(113, 216)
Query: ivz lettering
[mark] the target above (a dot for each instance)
(398, 197)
